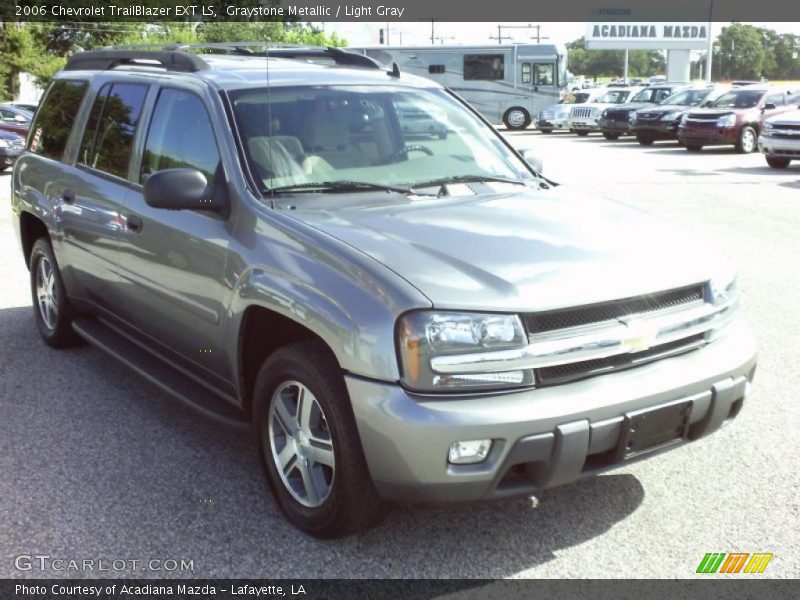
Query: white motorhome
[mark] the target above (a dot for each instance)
(506, 84)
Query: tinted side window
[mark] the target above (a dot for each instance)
(180, 136)
(436, 69)
(526, 72)
(112, 143)
(90, 133)
(55, 117)
(544, 74)
(484, 66)
(776, 99)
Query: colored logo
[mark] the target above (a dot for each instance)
(734, 562)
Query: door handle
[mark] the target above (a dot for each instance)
(134, 223)
(68, 196)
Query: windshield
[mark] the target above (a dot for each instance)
(614, 97)
(651, 95)
(376, 135)
(739, 99)
(688, 97)
(575, 98)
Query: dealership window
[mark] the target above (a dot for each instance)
(544, 74)
(436, 69)
(526, 73)
(55, 117)
(486, 67)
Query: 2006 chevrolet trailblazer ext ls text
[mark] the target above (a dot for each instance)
(398, 319)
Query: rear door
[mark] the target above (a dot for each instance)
(172, 262)
(95, 188)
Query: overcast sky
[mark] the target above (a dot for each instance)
(411, 34)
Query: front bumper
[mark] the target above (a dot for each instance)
(706, 136)
(779, 147)
(543, 437)
(656, 129)
(552, 123)
(612, 126)
(588, 124)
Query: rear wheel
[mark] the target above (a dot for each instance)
(747, 140)
(547, 130)
(582, 133)
(517, 118)
(778, 163)
(309, 444)
(610, 136)
(51, 308)
(645, 140)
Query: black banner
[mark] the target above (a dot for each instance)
(744, 587)
(401, 10)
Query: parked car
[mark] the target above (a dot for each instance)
(11, 146)
(392, 320)
(780, 139)
(615, 121)
(29, 106)
(657, 80)
(14, 119)
(734, 118)
(557, 116)
(585, 119)
(416, 121)
(661, 122)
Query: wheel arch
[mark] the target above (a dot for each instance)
(31, 228)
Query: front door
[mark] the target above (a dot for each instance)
(172, 262)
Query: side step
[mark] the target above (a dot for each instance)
(198, 397)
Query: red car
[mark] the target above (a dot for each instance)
(15, 119)
(734, 118)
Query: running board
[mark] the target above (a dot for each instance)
(197, 397)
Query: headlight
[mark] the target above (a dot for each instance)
(632, 116)
(723, 288)
(424, 335)
(4, 144)
(726, 121)
(671, 116)
(605, 114)
(768, 126)
(684, 118)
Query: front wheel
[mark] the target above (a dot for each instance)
(516, 118)
(546, 130)
(778, 163)
(309, 444)
(51, 308)
(582, 133)
(644, 140)
(747, 140)
(610, 136)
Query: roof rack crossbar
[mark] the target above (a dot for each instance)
(109, 59)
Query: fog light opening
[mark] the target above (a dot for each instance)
(469, 452)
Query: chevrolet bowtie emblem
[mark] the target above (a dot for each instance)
(640, 335)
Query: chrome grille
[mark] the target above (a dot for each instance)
(581, 113)
(786, 126)
(647, 116)
(609, 311)
(579, 370)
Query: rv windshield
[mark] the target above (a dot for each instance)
(367, 136)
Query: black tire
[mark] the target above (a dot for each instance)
(546, 130)
(582, 133)
(351, 503)
(693, 148)
(747, 140)
(611, 136)
(778, 163)
(516, 118)
(645, 140)
(51, 308)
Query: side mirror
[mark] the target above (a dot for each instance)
(708, 103)
(534, 161)
(178, 189)
(769, 106)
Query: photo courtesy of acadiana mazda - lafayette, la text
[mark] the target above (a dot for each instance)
(420, 319)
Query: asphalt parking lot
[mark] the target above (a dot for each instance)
(95, 463)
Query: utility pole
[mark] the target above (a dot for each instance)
(432, 34)
(500, 37)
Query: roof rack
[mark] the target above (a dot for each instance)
(104, 60)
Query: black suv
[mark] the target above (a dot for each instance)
(661, 122)
(614, 121)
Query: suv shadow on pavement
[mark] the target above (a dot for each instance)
(145, 475)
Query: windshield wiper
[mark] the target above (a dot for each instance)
(338, 186)
(466, 179)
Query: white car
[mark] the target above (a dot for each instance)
(557, 116)
(779, 141)
(584, 119)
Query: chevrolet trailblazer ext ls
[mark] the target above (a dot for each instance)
(423, 321)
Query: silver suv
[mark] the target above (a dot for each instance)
(395, 318)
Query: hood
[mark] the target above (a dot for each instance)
(629, 106)
(787, 118)
(663, 109)
(520, 250)
(711, 113)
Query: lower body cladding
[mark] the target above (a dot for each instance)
(549, 436)
(656, 131)
(551, 123)
(587, 125)
(780, 147)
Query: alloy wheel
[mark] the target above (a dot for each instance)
(46, 293)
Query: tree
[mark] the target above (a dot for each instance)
(604, 63)
(740, 53)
